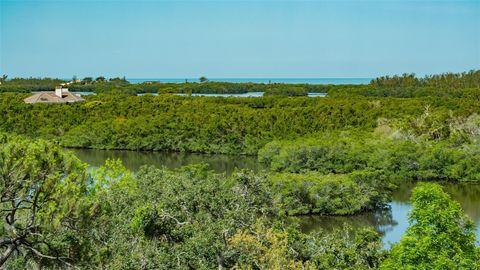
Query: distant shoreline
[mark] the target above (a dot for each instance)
(255, 80)
(260, 80)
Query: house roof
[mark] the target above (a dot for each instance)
(50, 97)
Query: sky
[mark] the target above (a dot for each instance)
(237, 39)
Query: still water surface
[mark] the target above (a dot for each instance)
(133, 160)
(391, 222)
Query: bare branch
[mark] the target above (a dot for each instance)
(41, 255)
(4, 257)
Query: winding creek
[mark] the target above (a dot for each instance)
(390, 223)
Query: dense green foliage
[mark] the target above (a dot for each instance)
(290, 91)
(440, 236)
(465, 85)
(222, 125)
(27, 85)
(39, 188)
(233, 88)
(333, 194)
(469, 79)
(398, 158)
(338, 155)
(154, 219)
(101, 85)
(121, 86)
(192, 218)
(280, 248)
(178, 219)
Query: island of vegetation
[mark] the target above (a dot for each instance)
(342, 154)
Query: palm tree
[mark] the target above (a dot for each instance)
(3, 78)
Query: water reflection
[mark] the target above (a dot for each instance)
(382, 220)
(391, 222)
(133, 160)
(469, 198)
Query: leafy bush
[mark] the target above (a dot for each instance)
(440, 236)
(333, 194)
(400, 159)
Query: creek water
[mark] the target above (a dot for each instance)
(390, 222)
(133, 160)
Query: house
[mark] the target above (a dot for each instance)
(60, 95)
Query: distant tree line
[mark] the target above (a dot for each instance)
(233, 126)
(470, 79)
(458, 85)
(466, 84)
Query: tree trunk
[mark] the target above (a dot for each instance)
(6, 254)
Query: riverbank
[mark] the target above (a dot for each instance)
(390, 222)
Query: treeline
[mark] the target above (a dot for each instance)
(290, 91)
(102, 85)
(121, 86)
(397, 157)
(28, 85)
(56, 214)
(407, 92)
(466, 84)
(238, 88)
(185, 88)
(470, 79)
(459, 85)
(219, 125)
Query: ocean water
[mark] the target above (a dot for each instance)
(259, 80)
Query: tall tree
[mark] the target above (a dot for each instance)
(100, 79)
(87, 80)
(440, 236)
(40, 186)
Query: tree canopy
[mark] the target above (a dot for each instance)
(440, 236)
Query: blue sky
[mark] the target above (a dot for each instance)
(180, 39)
